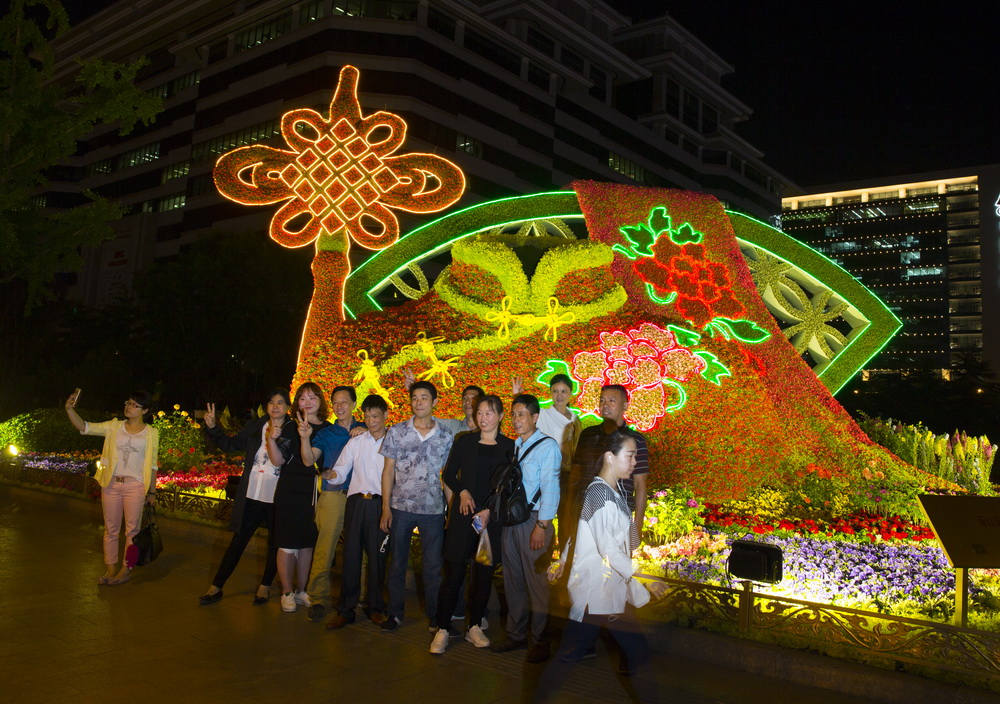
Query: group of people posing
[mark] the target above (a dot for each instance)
(308, 480)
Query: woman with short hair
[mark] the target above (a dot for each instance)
(474, 460)
(127, 475)
(253, 504)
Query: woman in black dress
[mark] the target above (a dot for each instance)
(294, 525)
(474, 458)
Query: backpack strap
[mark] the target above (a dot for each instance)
(538, 493)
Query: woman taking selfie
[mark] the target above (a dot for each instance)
(126, 474)
(253, 504)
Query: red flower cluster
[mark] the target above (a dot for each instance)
(704, 290)
(213, 475)
(862, 524)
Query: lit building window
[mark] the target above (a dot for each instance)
(469, 145)
(142, 155)
(626, 167)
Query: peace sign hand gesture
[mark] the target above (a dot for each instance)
(305, 430)
(209, 418)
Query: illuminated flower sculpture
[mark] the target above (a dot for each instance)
(338, 181)
(646, 361)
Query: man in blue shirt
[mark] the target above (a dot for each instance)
(526, 545)
(332, 501)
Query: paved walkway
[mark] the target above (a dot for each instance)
(64, 639)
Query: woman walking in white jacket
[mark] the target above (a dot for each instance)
(603, 591)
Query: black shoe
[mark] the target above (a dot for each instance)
(589, 654)
(390, 624)
(316, 612)
(206, 599)
(539, 652)
(259, 598)
(624, 669)
(507, 645)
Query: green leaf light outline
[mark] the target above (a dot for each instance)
(714, 369)
(726, 328)
(557, 366)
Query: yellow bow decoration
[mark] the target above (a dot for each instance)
(441, 367)
(369, 380)
(503, 317)
(554, 319)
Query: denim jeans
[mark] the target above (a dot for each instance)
(431, 527)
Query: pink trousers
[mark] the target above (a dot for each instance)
(116, 497)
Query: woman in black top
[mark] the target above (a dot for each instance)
(474, 458)
(250, 512)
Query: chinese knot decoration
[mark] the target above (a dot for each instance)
(339, 180)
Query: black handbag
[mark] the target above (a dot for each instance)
(232, 485)
(148, 540)
(757, 562)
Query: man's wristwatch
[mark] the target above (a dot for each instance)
(541, 525)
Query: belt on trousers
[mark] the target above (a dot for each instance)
(122, 480)
(369, 496)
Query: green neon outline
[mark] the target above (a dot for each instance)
(865, 342)
(683, 396)
(724, 326)
(696, 235)
(437, 235)
(625, 252)
(551, 370)
(680, 333)
(651, 292)
(708, 375)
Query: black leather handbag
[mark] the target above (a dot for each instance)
(148, 540)
(757, 562)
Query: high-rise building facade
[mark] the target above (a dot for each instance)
(927, 245)
(524, 96)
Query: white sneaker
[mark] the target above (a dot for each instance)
(484, 624)
(302, 599)
(440, 642)
(476, 636)
(288, 603)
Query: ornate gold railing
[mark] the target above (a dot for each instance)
(870, 637)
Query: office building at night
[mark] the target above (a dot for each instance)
(523, 96)
(927, 245)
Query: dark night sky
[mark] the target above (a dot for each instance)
(855, 90)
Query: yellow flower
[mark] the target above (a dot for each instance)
(197, 425)
(177, 406)
(161, 414)
(184, 413)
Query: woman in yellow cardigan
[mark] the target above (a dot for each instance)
(127, 475)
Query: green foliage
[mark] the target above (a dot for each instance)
(181, 444)
(41, 121)
(46, 430)
(960, 458)
(672, 513)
